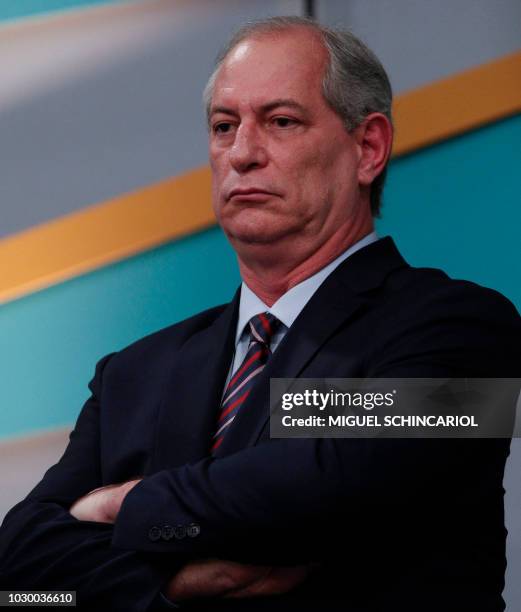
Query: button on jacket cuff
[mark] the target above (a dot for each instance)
(152, 519)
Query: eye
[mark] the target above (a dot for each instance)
(284, 122)
(223, 127)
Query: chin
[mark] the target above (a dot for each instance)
(252, 235)
(255, 229)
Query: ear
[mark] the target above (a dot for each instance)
(374, 137)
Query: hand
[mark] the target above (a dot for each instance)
(220, 578)
(278, 581)
(102, 505)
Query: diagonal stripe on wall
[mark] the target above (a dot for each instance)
(105, 233)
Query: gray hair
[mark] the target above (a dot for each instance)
(355, 82)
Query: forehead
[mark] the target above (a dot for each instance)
(275, 65)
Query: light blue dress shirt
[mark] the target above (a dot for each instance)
(287, 307)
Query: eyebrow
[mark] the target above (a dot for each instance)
(282, 102)
(265, 108)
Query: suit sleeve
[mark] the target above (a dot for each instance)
(43, 547)
(283, 495)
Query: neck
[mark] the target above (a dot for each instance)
(270, 271)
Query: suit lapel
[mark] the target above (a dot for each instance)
(337, 301)
(192, 395)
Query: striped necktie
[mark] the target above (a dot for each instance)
(261, 327)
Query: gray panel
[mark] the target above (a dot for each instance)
(136, 121)
(419, 42)
(25, 461)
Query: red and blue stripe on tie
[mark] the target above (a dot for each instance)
(261, 328)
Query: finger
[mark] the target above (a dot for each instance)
(278, 581)
(91, 507)
(212, 578)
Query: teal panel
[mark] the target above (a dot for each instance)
(15, 9)
(51, 340)
(456, 206)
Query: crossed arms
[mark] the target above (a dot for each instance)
(202, 578)
(255, 507)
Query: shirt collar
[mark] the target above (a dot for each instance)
(288, 306)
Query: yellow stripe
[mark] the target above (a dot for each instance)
(104, 233)
(107, 232)
(457, 104)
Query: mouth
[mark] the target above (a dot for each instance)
(251, 194)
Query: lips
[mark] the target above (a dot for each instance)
(248, 193)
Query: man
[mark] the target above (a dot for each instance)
(171, 491)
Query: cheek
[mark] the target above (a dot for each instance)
(316, 157)
(302, 168)
(217, 157)
(216, 188)
(310, 175)
(218, 171)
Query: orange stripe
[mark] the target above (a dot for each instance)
(104, 233)
(457, 104)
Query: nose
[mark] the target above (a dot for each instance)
(248, 151)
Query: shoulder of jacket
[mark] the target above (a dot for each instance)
(426, 286)
(156, 344)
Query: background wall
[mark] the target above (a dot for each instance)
(420, 42)
(100, 101)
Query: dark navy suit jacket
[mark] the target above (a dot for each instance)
(402, 524)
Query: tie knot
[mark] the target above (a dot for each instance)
(262, 327)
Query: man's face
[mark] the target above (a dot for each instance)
(284, 166)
